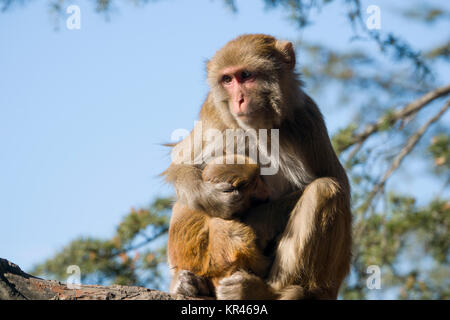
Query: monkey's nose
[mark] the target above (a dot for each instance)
(240, 102)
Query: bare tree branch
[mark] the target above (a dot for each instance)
(410, 144)
(18, 285)
(354, 151)
(146, 241)
(407, 111)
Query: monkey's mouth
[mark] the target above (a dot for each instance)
(248, 114)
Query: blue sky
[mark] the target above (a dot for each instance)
(83, 112)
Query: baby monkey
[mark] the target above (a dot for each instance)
(206, 248)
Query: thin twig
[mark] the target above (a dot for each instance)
(142, 243)
(353, 153)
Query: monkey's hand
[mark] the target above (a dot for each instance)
(222, 199)
(217, 199)
(242, 285)
(189, 284)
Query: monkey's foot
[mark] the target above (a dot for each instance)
(190, 285)
(231, 288)
(242, 285)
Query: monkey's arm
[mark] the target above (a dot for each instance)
(212, 198)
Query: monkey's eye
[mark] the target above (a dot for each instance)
(245, 74)
(240, 185)
(226, 79)
(229, 190)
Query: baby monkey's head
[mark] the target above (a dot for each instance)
(240, 176)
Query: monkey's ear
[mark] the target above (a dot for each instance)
(287, 50)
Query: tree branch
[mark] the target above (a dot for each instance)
(146, 241)
(408, 110)
(410, 144)
(18, 285)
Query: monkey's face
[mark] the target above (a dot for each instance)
(246, 77)
(240, 85)
(252, 193)
(243, 92)
(241, 182)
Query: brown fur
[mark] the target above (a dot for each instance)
(211, 247)
(310, 195)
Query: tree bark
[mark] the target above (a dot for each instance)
(18, 285)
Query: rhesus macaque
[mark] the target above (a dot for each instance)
(253, 85)
(213, 248)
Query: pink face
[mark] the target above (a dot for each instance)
(239, 82)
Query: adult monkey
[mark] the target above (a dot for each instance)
(253, 85)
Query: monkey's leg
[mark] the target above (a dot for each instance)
(267, 221)
(270, 219)
(314, 250)
(313, 255)
(187, 283)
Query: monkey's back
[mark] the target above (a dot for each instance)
(212, 247)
